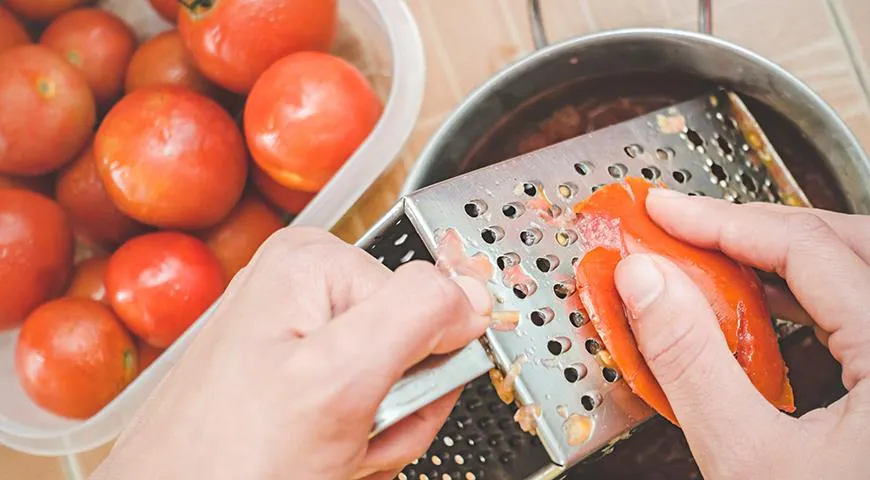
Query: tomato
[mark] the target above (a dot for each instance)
(36, 248)
(73, 357)
(43, 184)
(147, 354)
(99, 44)
(234, 41)
(89, 280)
(235, 240)
(48, 111)
(288, 200)
(733, 291)
(306, 115)
(80, 192)
(41, 10)
(161, 282)
(12, 32)
(164, 60)
(168, 9)
(171, 158)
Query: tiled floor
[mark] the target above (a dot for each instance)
(826, 43)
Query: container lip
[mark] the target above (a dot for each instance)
(400, 114)
(417, 173)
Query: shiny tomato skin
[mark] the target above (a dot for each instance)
(237, 238)
(73, 357)
(89, 280)
(41, 10)
(161, 282)
(36, 247)
(306, 115)
(12, 32)
(171, 158)
(286, 199)
(147, 354)
(164, 60)
(80, 192)
(168, 9)
(48, 111)
(253, 34)
(96, 42)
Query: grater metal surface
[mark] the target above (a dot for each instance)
(518, 214)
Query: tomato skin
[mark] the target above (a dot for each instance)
(164, 60)
(43, 184)
(36, 245)
(235, 240)
(733, 291)
(80, 192)
(303, 151)
(168, 9)
(288, 200)
(12, 32)
(161, 282)
(171, 158)
(242, 25)
(48, 111)
(89, 280)
(147, 354)
(41, 10)
(99, 44)
(73, 357)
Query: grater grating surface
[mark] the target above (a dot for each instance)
(517, 213)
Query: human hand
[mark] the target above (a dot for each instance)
(732, 431)
(286, 377)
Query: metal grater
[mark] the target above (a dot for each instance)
(707, 146)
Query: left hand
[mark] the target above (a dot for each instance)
(286, 377)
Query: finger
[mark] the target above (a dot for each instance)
(679, 336)
(418, 312)
(384, 475)
(825, 275)
(409, 439)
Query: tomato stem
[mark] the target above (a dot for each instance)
(193, 5)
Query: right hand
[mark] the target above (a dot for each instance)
(732, 431)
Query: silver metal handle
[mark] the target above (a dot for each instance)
(430, 380)
(539, 32)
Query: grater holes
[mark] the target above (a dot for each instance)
(574, 374)
(512, 210)
(633, 151)
(567, 190)
(530, 189)
(650, 173)
(610, 374)
(719, 174)
(681, 176)
(694, 138)
(523, 290)
(595, 188)
(507, 260)
(541, 316)
(665, 153)
(563, 290)
(402, 239)
(566, 237)
(409, 255)
(617, 170)
(530, 237)
(547, 264)
(558, 345)
(492, 234)
(592, 346)
(577, 318)
(583, 168)
(748, 182)
(574, 261)
(723, 145)
(590, 401)
(696, 193)
(475, 208)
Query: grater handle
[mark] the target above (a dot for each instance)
(539, 32)
(430, 380)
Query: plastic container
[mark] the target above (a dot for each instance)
(379, 37)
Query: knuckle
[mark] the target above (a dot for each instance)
(807, 225)
(674, 352)
(437, 292)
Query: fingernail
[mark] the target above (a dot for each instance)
(639, 281)
(477, 293)
(665, 193)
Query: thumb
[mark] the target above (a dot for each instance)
(679, 336)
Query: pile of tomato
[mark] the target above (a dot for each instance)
(136, 179)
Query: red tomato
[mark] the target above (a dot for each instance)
(43, 184)
(171, 158)
(73, 357)
(168, 9)
(253, 34)
(89, 280)
(734, 292)
(41, 10)
(160, 283)
(288, 200)
(12, 32)
(48, 111)
(36, 248)
(164, 60)
(81, 193)
(99, 44)
(306, 116)
(235, 240)
(147, 354)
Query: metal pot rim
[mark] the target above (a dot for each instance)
(414, 180)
